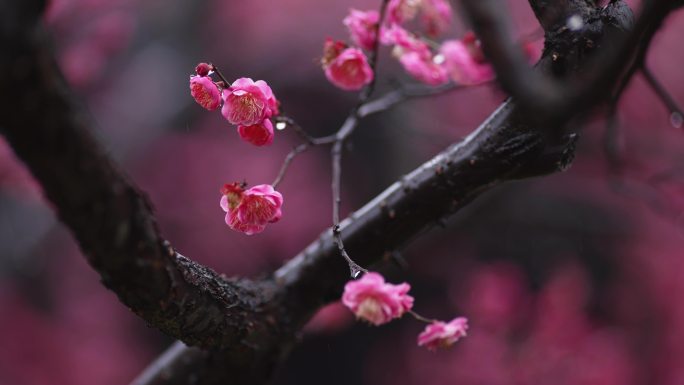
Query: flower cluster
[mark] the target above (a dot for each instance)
(418, 58)
(250, 105)
(249, 211)
(430, 62)
(373, 300)
(245, 103)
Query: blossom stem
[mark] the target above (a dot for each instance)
(297, 128)
(220, 75)
(675, 110)
(373, 58)
(421, 318)
(288, 160)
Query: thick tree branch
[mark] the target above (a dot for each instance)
(555, 101)
(111, 219)
(548, 12)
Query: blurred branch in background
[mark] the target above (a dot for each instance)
(555, 102)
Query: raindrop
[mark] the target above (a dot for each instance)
(355, 270)
(281, 126)
(574, 23)
(438, 59)
(676, 119)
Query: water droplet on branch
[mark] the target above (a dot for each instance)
(574, 23)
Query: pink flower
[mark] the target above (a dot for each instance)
(465, 63)
(247, 102)
(260, 134)
(415, 56)
(442, 335)
(250, 210)
(399, 11)
(350, 70)
(375, 301)
(436, 15)
(424, 68)
(403, 41)
(474, 46)
(363, 27)
(331, 50)
(205, 92)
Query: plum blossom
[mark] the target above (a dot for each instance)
(465, 62)
(349, 70)
(249, 211)
(415, 56)
(331, 50)
(205, 92)
(260, 134)
(436, 15)
(403, 40)
(400, 11)
(247, 102)
(442, 335)
(363, 27)
(375, 301)
(474, 46)
(424, 68)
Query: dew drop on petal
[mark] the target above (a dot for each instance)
(676, 119)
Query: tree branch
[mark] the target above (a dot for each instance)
(246, 327)
(110, 218)
(555, 101)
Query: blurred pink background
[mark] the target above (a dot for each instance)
(574, 279)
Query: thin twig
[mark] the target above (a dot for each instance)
(290, 157)
(309, 141)
(611, 134)
(336, 152)
(381, 104)
(297, 128)
(611, 141)
(220, 75)
(403, 93)
(676, 114)
(341, 136)
(373, 58)
(421, 318)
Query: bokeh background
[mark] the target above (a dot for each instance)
(576, 278)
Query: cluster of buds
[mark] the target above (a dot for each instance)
(377, 302)
(246, 103)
